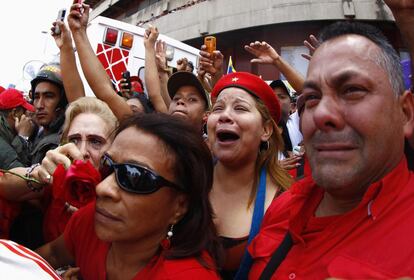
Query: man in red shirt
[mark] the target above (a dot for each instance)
(355, 217)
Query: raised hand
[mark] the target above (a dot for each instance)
(182, 64)
(161, 55)
(264, 53)
(211, 63)
(125, 88)
(205, 79)
(150, 36)
(311, 43)
(61, 155)
(78, 16)
(24, 126)
(63, 39)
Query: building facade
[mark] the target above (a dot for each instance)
(284, 24)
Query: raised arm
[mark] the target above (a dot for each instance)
(266, 54)
(152, 81)
(163, 70)
(72, 81)
(94, 72)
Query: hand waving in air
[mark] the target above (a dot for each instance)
(311, 43)
(264, 53)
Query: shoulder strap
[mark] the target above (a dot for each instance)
(278, 256)
(258, 213)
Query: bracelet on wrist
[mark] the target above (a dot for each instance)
(29, 175)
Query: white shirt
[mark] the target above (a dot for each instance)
(293, 128)
(18, 262)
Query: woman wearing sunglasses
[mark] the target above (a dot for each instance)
(152, 217)
(245, 140)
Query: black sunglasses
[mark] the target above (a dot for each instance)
(133, 177)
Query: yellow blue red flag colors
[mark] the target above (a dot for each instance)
(230, 68)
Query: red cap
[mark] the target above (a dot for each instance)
(12, 98)
(253, 85)
(136, 84)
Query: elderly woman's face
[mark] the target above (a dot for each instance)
(235, 127)
(124, 216)
(90, 134)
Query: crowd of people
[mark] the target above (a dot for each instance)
(202, 174)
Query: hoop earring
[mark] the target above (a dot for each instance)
(166, 242)
(264, 145)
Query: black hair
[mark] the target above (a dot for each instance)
(387, 58)
(193, 170)
(145, 102)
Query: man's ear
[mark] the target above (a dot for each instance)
(407, 105)
(267, 131)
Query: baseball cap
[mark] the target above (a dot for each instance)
(279, 84)
(253, 85)
(136, 84)
(184, 78)
(12, 98)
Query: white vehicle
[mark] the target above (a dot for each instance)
(120, 46)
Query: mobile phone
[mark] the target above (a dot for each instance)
(127, 76)
(210, 42)
(60, 17)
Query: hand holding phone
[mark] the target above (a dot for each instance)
(210, 42)
(60, 17)
(127, 76)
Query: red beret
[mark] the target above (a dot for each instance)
(12, 98)
(253, 85)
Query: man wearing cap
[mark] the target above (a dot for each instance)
(290, 124)
(188, 98)
(15, 129)
(49, 100)
(354, 218)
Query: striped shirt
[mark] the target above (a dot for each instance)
(19, 262)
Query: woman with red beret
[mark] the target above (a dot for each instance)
(245, 140)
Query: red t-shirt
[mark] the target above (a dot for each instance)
(374, 240)
(90, 254)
